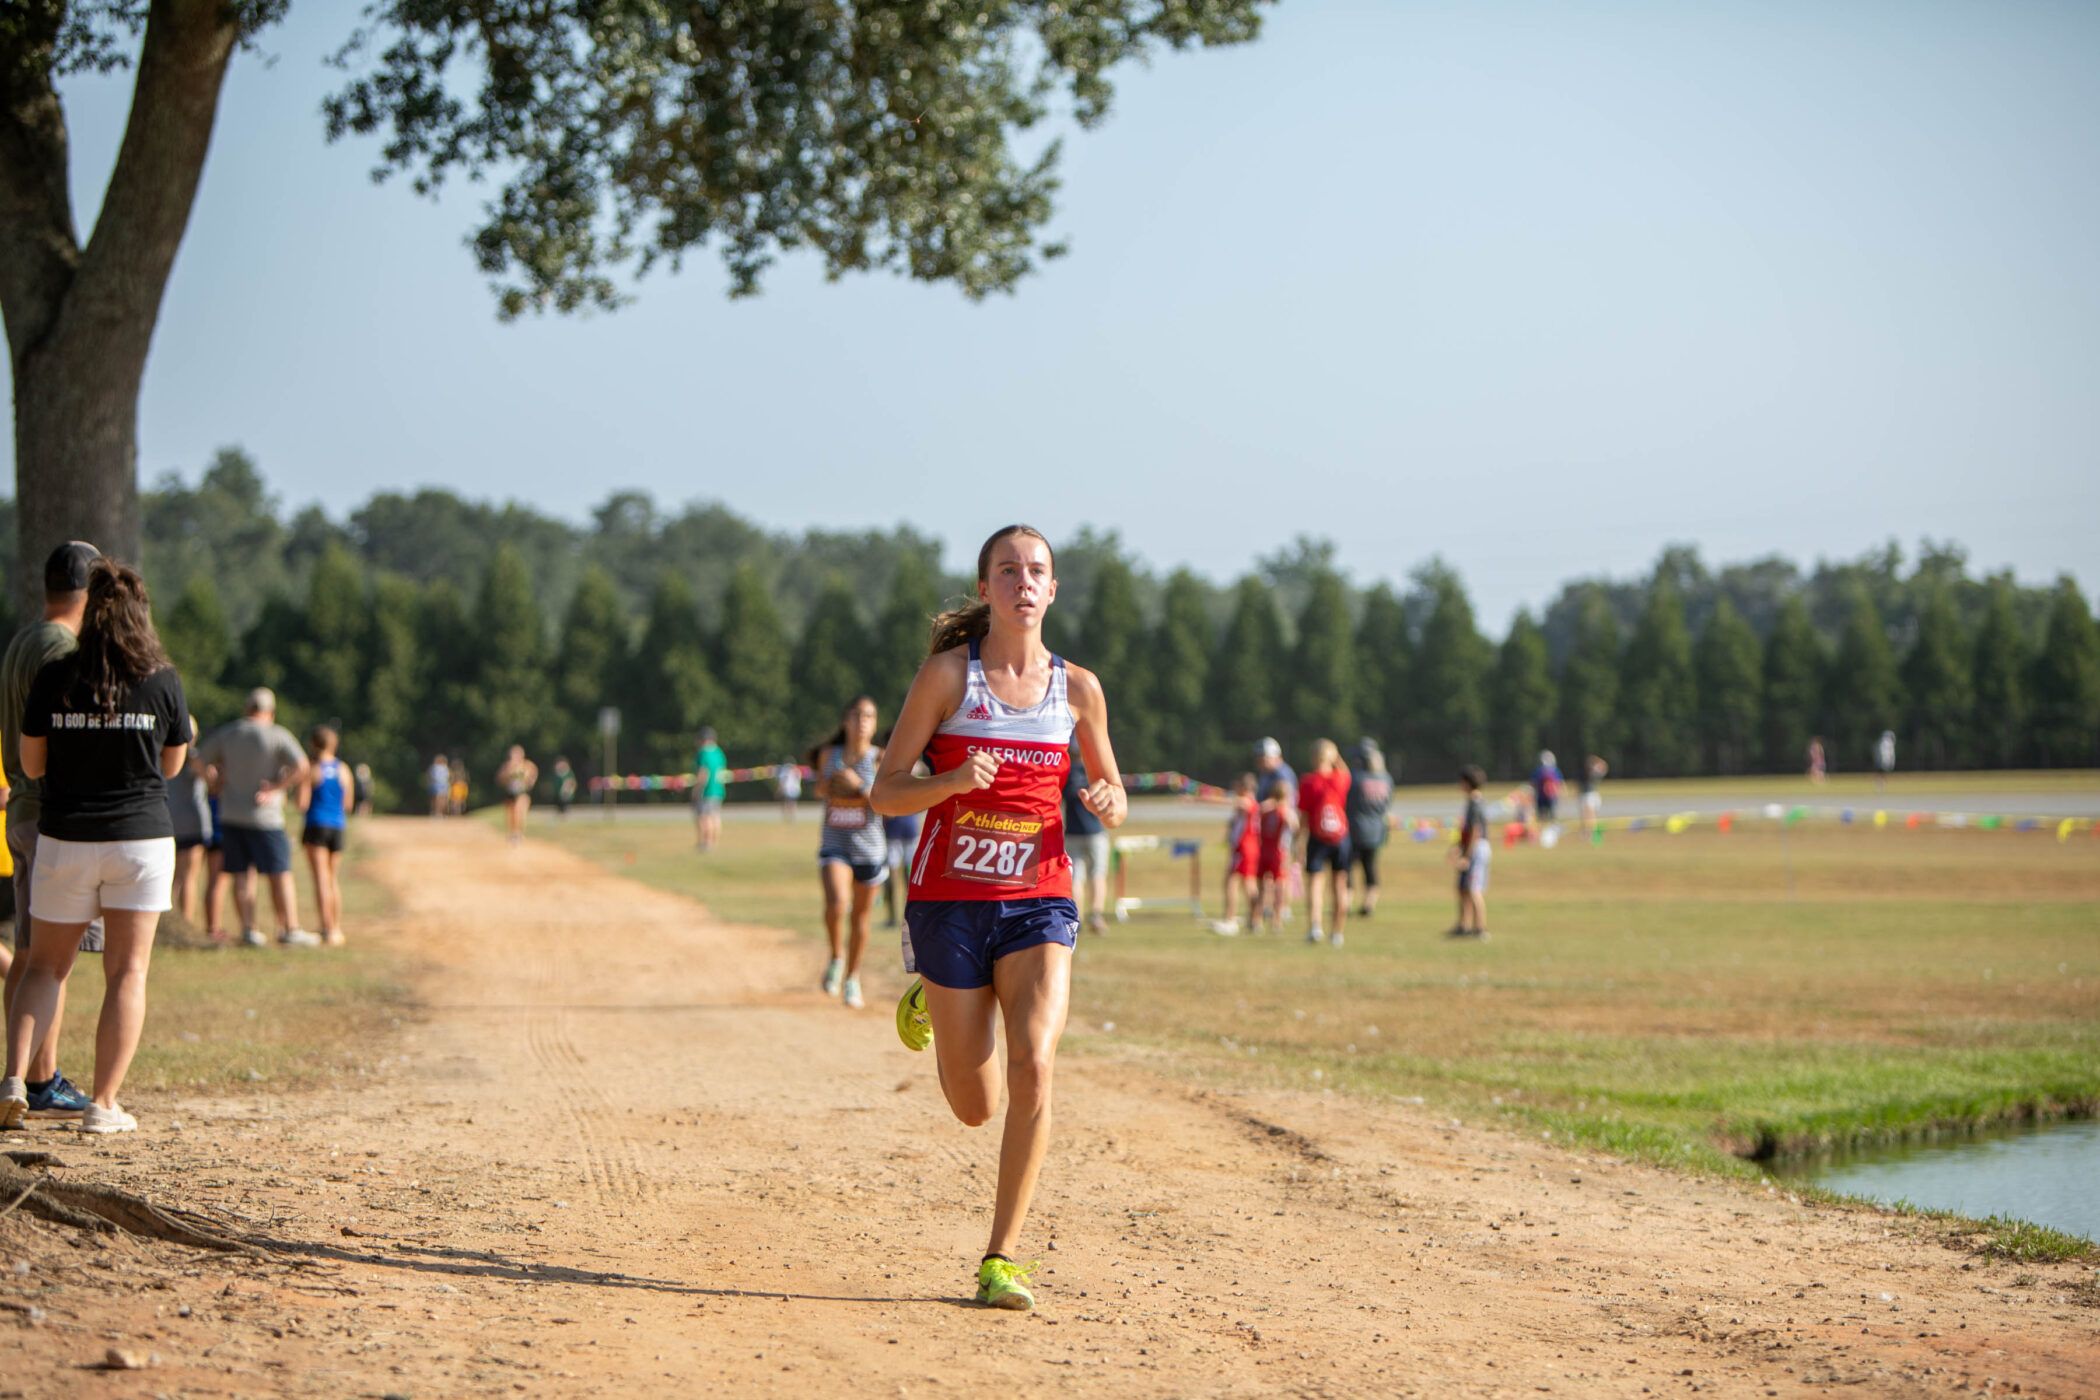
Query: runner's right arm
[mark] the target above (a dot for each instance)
(935, 693)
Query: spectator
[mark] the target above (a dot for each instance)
(787, 788)
(1086, 842)
(438, 781)
(1370, 804)
(1593, 771)
(1270, 771)
(189, 813)
(564, 786)
(34, 647)
(709, 788)
(254, 762)
(102, 730)
(1323, 798)
(325, 800)
(1546, 785)
(1884, 759)
(1470, 855)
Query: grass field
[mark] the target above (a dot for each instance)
(1660, 996)
(249, 1018)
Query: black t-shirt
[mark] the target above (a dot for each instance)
(102, 778)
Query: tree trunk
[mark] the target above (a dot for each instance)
(80, 320)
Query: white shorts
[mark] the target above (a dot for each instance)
(1089, 857)
(1593, 802)
(76, 881)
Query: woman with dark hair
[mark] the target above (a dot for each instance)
(852, 855)
(990, 918)
(104, 729)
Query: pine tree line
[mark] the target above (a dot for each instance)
(426, 624)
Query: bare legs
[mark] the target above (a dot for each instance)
(514, 816)
(1032, 989)
(1337, 881)
(189, 865)
(43, 1062)
(284, 899)
(328, 892)
(214, 893)
(848, 931)
(32, 1020)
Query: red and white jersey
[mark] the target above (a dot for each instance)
(1006, 841)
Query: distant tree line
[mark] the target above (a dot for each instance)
(425, 623)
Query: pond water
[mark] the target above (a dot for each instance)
(2048, 1174)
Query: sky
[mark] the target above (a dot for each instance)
(1536, 288)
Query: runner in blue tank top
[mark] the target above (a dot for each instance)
(327, 805)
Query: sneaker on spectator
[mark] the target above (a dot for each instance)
(60, 1098)
(299, 938)
(98, 1119)
(253, 938)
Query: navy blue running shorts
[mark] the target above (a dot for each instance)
(1326, 855)
(954, 942)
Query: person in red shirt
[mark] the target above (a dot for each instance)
(1243, 866)
(1277, 819)
(1323, 800)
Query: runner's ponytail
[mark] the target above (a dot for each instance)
(969, 623)
(957, 626)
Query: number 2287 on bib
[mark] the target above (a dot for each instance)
(995, 848)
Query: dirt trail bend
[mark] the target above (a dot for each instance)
(630, 1151)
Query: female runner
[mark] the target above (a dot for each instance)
(517, 777)
(852, 855)
(989, 915)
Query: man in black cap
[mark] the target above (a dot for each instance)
(33, 648)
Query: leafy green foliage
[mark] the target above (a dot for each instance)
(876, 136)
(510, 700)
(753, 660)
(1382, 648)
(1997, 673)
(1866, 695)
(904, 628)
(1658, 696)
(1449, 693)
(1726, 664)
(1589, 680)
(1180, 656)
(2066, 683)
(1793, 684)
(1936, 677)
(1112, 645)
(1248, 675)
(672, 684)
(702, 618)
(1520, 702)
(830, 664)
(1320, 698)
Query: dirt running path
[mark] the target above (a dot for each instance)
(627, 1154)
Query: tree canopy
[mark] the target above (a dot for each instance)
(615, 138)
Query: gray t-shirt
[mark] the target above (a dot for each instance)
(33, 648)
(189, 805)
(248, 753)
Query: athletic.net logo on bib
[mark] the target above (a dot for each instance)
(995, 848)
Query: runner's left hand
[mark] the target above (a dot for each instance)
(1103, 798)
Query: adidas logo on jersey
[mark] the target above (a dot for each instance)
(981, 712)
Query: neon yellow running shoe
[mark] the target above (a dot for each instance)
(1001, 1283)
(914, 1027)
